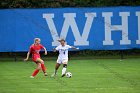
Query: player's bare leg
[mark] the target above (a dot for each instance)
(64, 69)
(42, 66)
(36, 70)
(56, 68)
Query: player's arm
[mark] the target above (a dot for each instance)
(42, 47)
(55, 49)
(28, 54)
(74, 48)
(45, 50)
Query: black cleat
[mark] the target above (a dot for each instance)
(63, 75)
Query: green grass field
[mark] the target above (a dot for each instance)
(89, 76)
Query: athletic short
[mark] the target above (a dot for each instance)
(62, 61)
(34, 58)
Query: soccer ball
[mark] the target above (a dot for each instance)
(68, 74)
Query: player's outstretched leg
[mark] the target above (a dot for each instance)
(36, 70)
(56, 68)
(64, 69)
(42, 66)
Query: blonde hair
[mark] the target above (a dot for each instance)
(36, 39)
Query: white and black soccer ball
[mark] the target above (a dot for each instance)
(68, 74)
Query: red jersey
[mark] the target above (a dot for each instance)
(35, 51)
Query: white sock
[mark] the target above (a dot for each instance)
(64, 70)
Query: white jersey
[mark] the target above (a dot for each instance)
(63, 51)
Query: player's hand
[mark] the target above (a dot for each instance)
(54, 50)
(45, 53)
(25, 59)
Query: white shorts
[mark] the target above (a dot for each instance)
(62, 61)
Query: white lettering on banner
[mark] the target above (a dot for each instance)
(70, 22)
(51, 25)
(82, 39)
(138, 15)
(109, 28)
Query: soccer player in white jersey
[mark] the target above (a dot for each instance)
(63, 56)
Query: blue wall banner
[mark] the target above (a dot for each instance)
(106, 28)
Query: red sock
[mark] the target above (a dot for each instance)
(35, 72)
(43, 67)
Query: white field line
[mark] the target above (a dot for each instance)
(115, 88)
(94, 73)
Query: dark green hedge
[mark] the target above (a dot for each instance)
(65, 3)
(134, 52)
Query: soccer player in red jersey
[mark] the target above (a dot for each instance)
(35, 49)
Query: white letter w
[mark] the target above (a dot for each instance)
(70, 22)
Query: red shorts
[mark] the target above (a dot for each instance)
(35, 57)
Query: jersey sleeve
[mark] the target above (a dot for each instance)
(69, 46)
(41, 46)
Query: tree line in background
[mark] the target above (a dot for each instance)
(65, 3)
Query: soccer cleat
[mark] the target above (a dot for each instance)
(53, 75)
(31, 76)
(45, 74)
(63, 75)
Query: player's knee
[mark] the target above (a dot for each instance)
(65, 65)
(42, 62)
